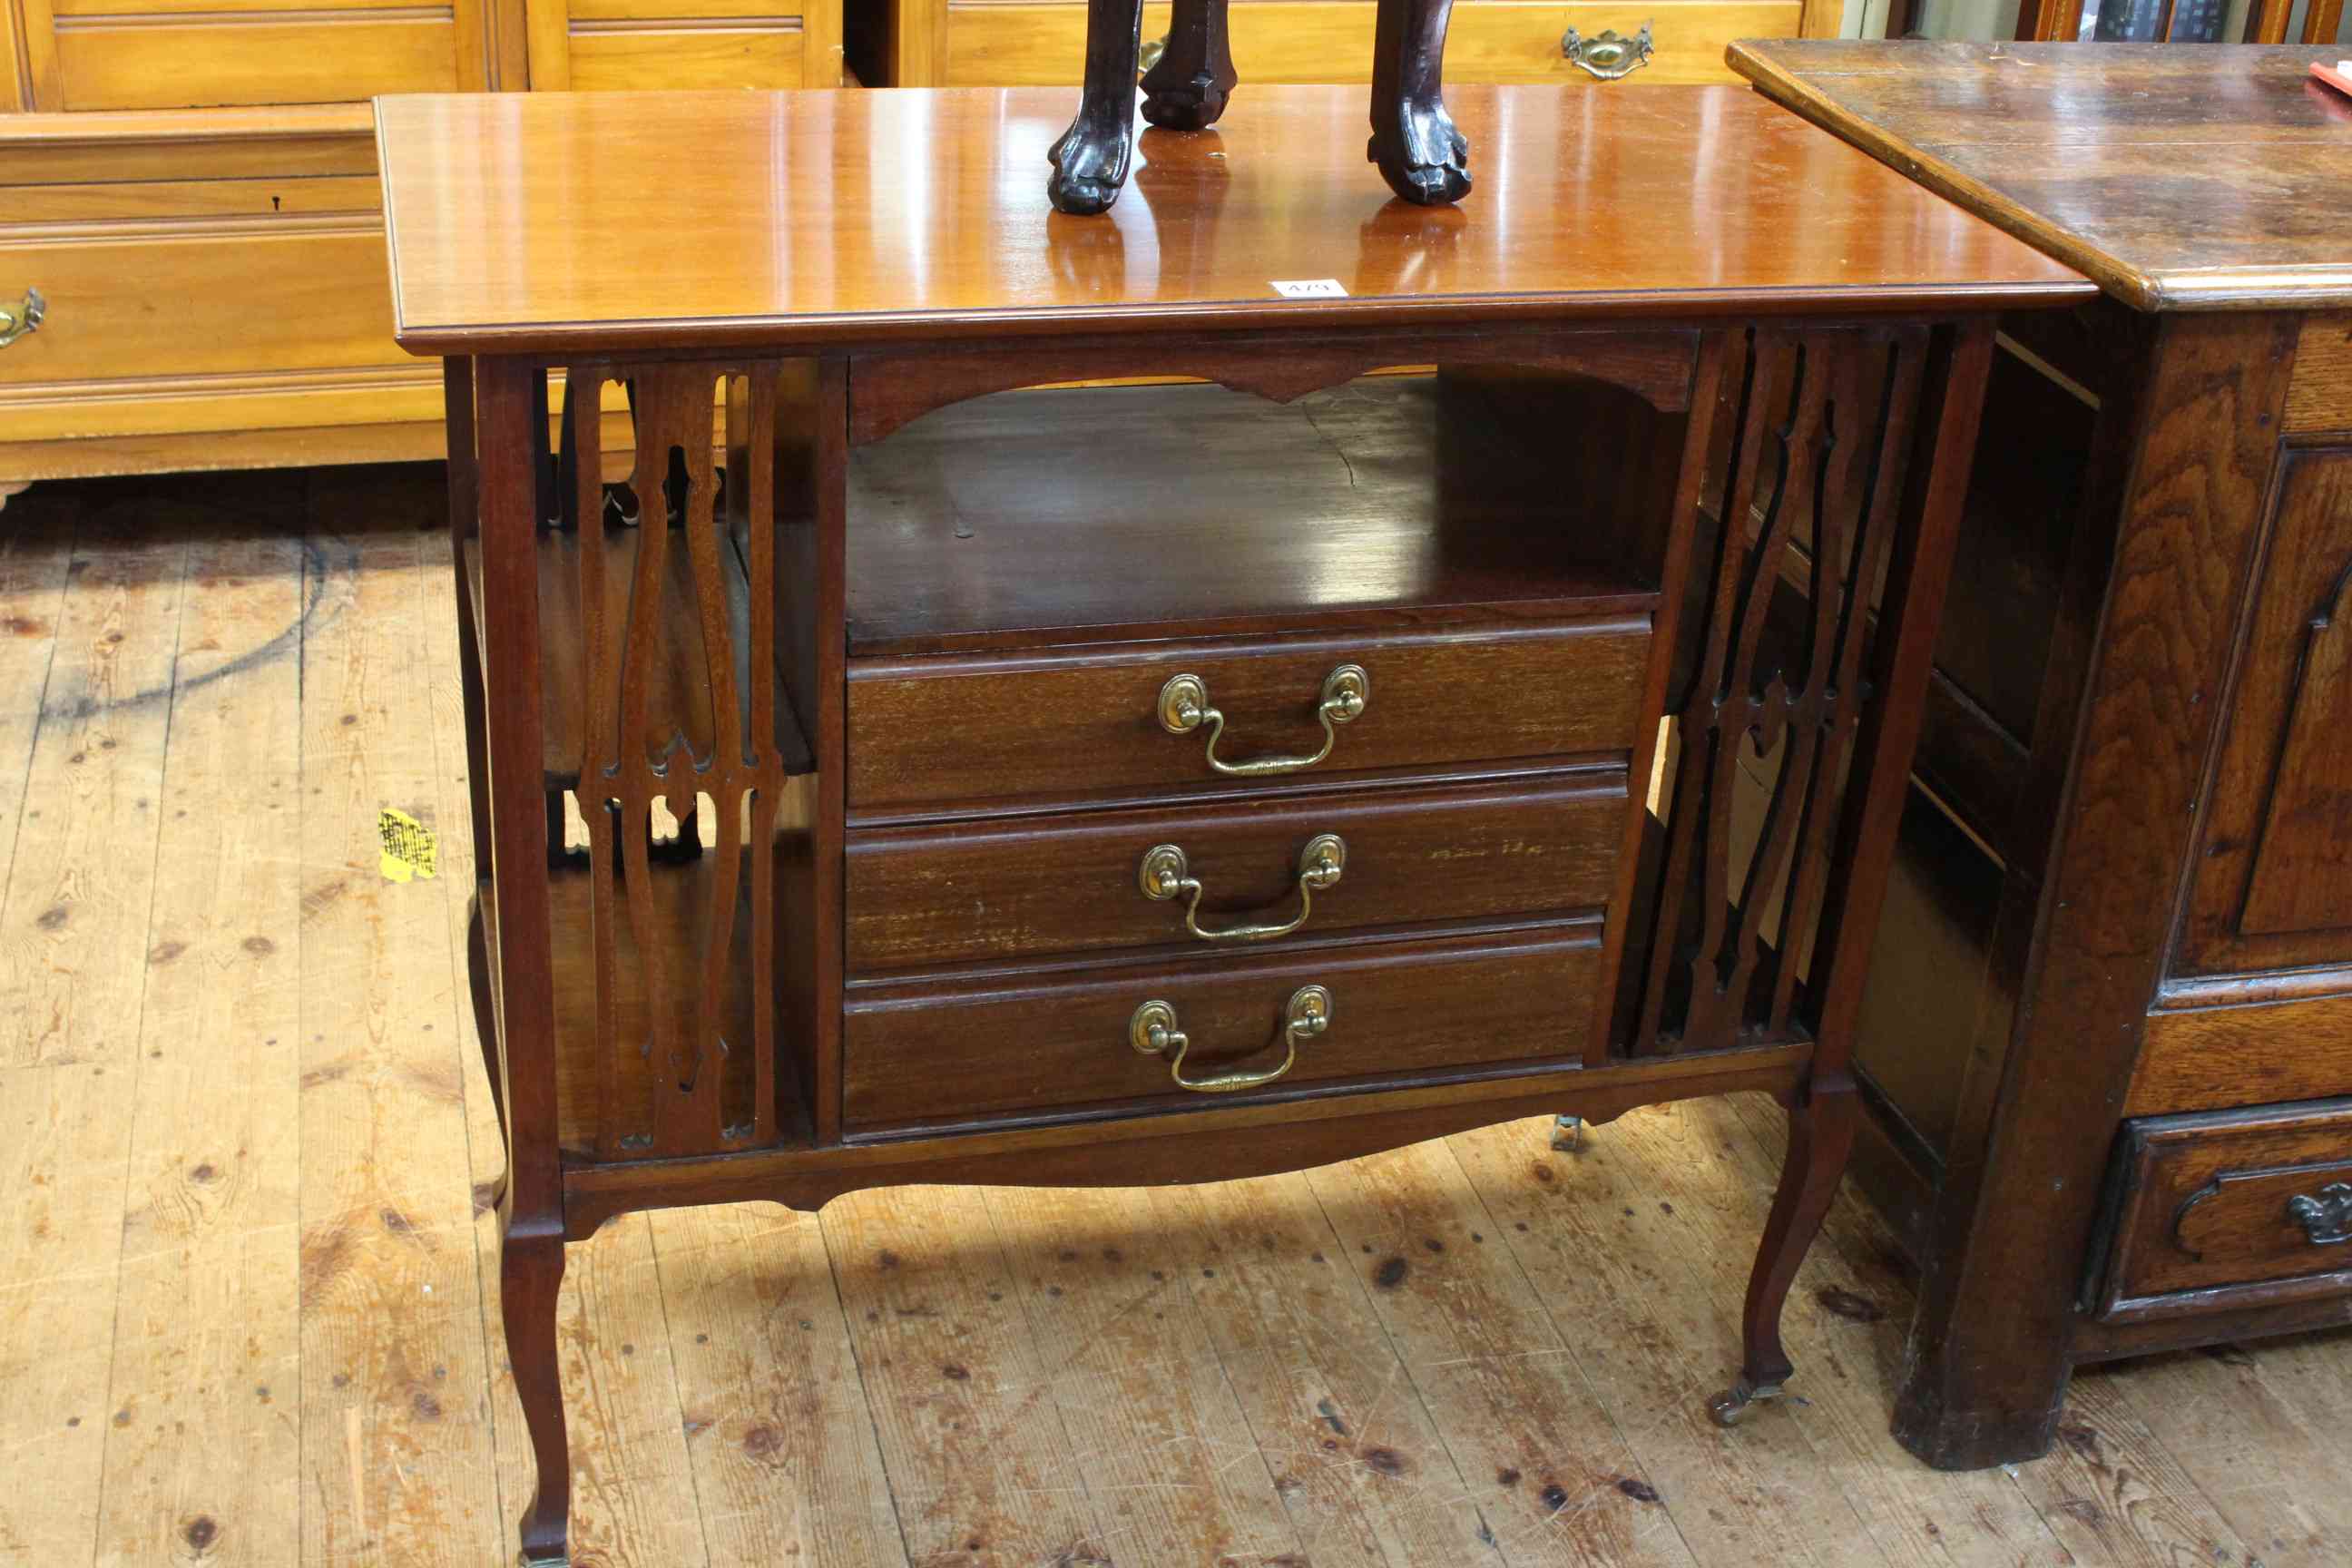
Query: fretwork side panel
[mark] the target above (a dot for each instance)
(1815, 430)
(685, 745)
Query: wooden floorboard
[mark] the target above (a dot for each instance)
(248, 1293)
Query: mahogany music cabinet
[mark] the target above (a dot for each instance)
(1229, 774)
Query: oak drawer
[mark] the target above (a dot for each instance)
(249, 297)
(920, 896)
(199, 60)
(1019, 42)
(1065, 724)
(1058, 1044)
(2229, 1209)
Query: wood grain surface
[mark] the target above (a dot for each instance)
(2179, 179)
(1007, 1048)
(1078, 720)
(970, 528)
(1042, 887)
(808, 230)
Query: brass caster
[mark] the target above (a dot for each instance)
(1730, 1407)
(1568, 1134)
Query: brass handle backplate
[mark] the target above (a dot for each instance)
(1610, 55)
(1184, 707)
(1152, 1030)
(17, 321)
(1164, 875)
(2326, 1216)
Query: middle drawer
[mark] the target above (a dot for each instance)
(918, 898)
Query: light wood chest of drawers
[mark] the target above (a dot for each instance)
(192, 189)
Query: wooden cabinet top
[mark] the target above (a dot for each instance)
(610, 221)
(2209, 177)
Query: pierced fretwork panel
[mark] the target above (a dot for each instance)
(679, 719)
(1769, 684)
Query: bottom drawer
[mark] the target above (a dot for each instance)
(2229, 1209)
(1015, 1047)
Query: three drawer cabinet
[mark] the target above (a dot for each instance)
(1363, 834)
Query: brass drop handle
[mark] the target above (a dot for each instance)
(1184, 707)
(1609, 56)
(1153, 1032)
(21, 319)
(1164, 875)
(2326, 1216)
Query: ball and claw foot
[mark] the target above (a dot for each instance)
(1425, 160)
(1730, 1407)
(1568, 1134)
(1089, 166)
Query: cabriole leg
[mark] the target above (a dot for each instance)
(1820, 1132)
(1422, 156)
(1091, 159)
(530, 1274)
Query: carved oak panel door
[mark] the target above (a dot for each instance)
(2273, 887)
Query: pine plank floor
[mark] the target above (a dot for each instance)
(247, 1293)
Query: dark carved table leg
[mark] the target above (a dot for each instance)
(1820, 1133)
(1423, 158)
(1090, 161)
(1187, 88)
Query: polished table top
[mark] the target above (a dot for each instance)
(2202, 177)
(563, 221)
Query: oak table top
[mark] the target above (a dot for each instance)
(567, 222)
(2183, 179)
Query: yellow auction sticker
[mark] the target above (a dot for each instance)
(409, 848)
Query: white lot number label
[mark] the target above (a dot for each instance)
(1309, 289)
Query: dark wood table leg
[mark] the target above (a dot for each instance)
(511, 429)
(1186, 89)
(1423, 158)
(1090, 161)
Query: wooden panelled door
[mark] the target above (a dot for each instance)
(171, 54)
(587, 45)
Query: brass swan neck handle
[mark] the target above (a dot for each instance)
(1184, 707)
(1165, 875)
(1152, 1031)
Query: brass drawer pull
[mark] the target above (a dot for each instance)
(1184, 707)
(2326, 1217)
(1609, 56)
(1164, 875)
(1153, 1032)
(17, 321)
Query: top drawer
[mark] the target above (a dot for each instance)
(1065, 725)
